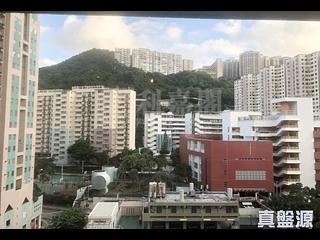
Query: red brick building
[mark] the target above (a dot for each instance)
(241, 165)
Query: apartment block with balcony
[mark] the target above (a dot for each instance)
(19, 51)
(280, 77)
(159, 124)
(203, 123)
(104, 116)
(291, 131)
(153, 61)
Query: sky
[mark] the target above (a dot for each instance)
(202, 40)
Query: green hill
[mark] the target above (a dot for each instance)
(98, 67)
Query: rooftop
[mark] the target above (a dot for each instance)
(103, 210)
(207, 197)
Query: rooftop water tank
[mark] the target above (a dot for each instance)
(100, 180)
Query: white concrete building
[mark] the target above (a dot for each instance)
(157, 124)
(270, 85)
(187, 65)
(123, 55)
(153, 61)
(105, 215)
(246, 95)
(142, 58)
(291, 131)
(284, 77)
(19, 51)
(250, 62)
(231, 69)
(105, 116)
(203, 123)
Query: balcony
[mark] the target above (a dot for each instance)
(287, 149)
(288, 171)
(316, 144)
(288, 181)
(287, 160)
(316, 134)
(287, 138)
(317, 155)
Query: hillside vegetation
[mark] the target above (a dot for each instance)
(98, 67)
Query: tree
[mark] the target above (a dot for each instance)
(298, 198)
(175, 157)
(73, 218)
(82, 152)
(44, 166)
(183, 171)
(101, 158)
(146, 151)
(160, 176)
(161, 161)
(134, 175)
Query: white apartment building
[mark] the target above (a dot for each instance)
(284, 77)
(19, 51)
(271, 85)
(157, 124)
(291, 131)
(142, 59)
(250, 62)
(103, 115)
(153, 61)
(231, 69)
(123, 55)
(246, 94)
(187, 65)
(203, 123)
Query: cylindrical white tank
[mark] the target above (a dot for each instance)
(162, 189)
(230, 193)
(152, 189)
(191, 186)
(182, 195)
(111, 171)
(100, 180)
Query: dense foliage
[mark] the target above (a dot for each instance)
(82, 152)
(73, 218)
(299, 198)
(98, 67)
(44, 167)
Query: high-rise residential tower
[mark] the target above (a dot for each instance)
(123, 55)
(104, 116)
(231, 69)
(250, 62)
(19, 51)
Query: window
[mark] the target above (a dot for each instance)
(193, 209)
(159, 209)
(208, 209)
(173, 209)
(8, 222)
(251, 175)
(225, 161)
(225, 184)
(225, 172)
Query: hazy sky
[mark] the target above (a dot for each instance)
(202, 40)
